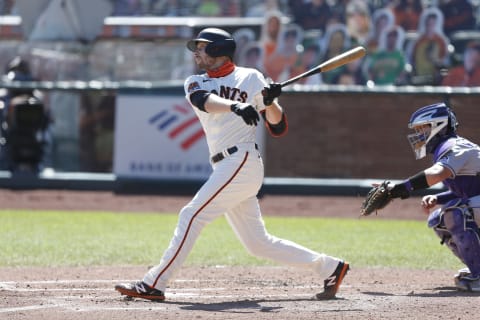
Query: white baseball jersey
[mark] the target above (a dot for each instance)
(224, 130)
(231, 190)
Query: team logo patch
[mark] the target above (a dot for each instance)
(193, 86)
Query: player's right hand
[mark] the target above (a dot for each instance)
(247, 112)
(428, 202)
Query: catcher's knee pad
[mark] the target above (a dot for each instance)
(454, 216)
(456, 226)
(435, 221)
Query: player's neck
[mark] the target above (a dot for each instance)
(222, 71)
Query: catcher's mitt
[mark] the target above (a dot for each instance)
(377, 198)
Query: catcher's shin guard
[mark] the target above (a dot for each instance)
(459, 231)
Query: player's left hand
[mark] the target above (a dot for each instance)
(274, 90)
(247, 112)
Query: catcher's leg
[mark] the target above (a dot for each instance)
(435, 221)
(459, 231)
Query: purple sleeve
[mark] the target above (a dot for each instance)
(444, 197)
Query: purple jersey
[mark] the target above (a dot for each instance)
(462, 157)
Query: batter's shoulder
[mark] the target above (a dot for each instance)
(248, 70)
(195, 77)
(194, 82)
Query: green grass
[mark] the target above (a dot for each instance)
(41, 238)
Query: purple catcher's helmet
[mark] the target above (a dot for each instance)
(220, 42)
(432, 124)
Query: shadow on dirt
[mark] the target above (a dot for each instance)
(440, 292)
(242, 306)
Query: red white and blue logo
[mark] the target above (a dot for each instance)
(179, 123)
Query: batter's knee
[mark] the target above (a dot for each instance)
(189, 218)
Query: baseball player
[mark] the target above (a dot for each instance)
(456, 163)
(228, 100)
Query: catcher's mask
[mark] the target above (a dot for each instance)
(432, 124)
(220, 42)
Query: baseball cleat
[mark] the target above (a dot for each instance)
(468, 283)
(140, 289)
(332, 283)
(463, 272)
(459, 275)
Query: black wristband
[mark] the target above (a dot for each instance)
(418, 181)
(278, 128)
(400, 191)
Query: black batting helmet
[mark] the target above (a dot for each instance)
(220, 42)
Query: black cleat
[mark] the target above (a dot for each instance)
(140, 289)
(332, 283)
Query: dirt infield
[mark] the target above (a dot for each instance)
(226, 292)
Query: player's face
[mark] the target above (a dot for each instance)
(202, 59)
(418, 140)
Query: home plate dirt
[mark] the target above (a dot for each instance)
(226, 292)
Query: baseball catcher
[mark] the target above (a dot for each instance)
(456, 163)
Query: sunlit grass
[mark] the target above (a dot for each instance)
(41, 238)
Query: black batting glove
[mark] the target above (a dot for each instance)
(247, 112)
(274, 90)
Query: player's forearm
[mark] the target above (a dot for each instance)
(421, 180)
(274, 113)
(445, 196)
(216, 104)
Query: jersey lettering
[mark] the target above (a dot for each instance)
(232, 94)
(224, 92)
(243, 96)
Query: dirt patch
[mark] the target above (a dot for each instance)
(232, 293)
(277, 205)
(226, 292)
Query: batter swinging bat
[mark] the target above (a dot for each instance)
(330, 64)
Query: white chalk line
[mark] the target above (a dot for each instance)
(185, 293)
(15, 289)
(78, 309)
(19, 285)
(55, 304)
(83, 281)
(28, 308)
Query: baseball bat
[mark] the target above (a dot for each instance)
(330, 64)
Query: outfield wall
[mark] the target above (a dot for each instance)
(338, 136)
(358, 134)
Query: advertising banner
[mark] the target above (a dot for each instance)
(159, 136)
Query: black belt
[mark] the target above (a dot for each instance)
(220, 156)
